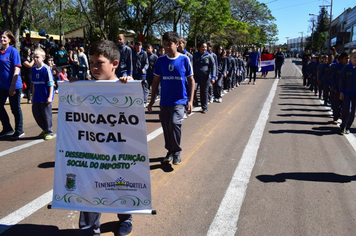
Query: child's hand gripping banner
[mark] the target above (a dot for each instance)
(102, 162)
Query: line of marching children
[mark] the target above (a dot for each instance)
(333, 79)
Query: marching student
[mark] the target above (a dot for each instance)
(348, 94)
(210, 90)
(174, 94)
(104, 60)
(326, 79)
(140, 66)
(320, 72)
(42, 94)
(204, 70)
(335, 78)
(125, 66)
(229, 70)
(152, 58)
(220, 52)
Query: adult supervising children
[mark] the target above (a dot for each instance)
(10, 85)
(278, 61)
(172, 71)
(254, 61)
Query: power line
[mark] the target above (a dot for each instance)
(295, 5)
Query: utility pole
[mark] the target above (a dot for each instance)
(287, 43)
(312, 36)
(331, 18)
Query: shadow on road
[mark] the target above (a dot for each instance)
(50, 230)
(307, 176)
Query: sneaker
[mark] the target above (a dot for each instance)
(6, 132)
(56, 91)
(168, 158)
(29, 102)
(211, 100)
(42, 134)
(48, 137)
(204, 111)
(254, 83)
(342, 131)
(248, 82)
(17, 135)
(280, 78)
(347, 131)
(125, 228)
(216, 100)
(220, 100)
(176, 160)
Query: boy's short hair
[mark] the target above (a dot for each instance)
(121, 35)
(353, 51)
(182, 40)
(171, 36)
(39, 51)
(209, 45)
(200, 44)
(343, 55)
(106, 48)
(148, 46)
(138, 43)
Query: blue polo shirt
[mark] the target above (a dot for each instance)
(9, 59)
(42, 79)
(254, 56)
(173, 73)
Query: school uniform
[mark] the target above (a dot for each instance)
(204, 70)
(348, 88)
(279, 60)
(125, 64)
(152, 58)
(140, 62)
(214, 75)
(173, 73)
(222, 63)
(335, 71)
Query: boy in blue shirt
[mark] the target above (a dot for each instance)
(348, 94)
(173, 71)
(42, 94)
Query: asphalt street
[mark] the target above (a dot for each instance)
(266, 161)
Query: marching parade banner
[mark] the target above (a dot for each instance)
(101, 162)
(267, 62)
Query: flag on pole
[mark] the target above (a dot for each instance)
(267, 62)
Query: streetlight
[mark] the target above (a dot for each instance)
(331, 14)
(313, 20)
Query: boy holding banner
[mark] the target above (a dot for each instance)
(173, 71)
(104, 60)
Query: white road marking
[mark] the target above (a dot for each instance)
(18, 148)
(25, 211)
(225, 220)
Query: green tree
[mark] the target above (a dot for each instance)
(12, 12)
